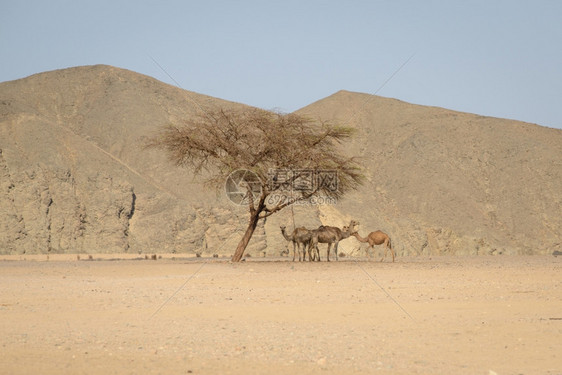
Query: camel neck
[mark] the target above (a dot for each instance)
(359, 237)
(287, 237)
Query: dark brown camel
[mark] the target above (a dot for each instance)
(330, 235)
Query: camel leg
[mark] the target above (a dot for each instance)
(336, 249)
(312, 250)
(385, 249)
(388, 246)
(294, 251)
(328, 251)
(312, 256)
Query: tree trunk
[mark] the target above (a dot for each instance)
(239, 253)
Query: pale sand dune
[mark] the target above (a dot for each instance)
(444, 315)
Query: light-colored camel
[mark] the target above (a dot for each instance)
(377, 238)
(300, 239)
(330, 235)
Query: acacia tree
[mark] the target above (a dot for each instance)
(221, 141)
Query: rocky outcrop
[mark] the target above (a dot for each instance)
(45, 210)
(11, 221)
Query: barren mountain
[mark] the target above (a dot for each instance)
(75, 178)
(445, 182)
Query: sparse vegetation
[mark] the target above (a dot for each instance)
(221, 141)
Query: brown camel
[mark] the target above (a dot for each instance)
(377, 238)
(330, 235)
(314, 255)
(300, 238)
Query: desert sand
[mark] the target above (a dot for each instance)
(420, 315)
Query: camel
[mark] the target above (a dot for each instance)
(315, 256)
(300, 238)
(377, 238)
(330, 235)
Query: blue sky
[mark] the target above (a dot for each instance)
(491, 57)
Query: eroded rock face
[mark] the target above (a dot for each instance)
(11, 220)
(45, 210)
(107, 214)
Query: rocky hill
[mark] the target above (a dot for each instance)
(75, 178)
(445, 182)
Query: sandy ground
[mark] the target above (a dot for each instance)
(440, 315)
